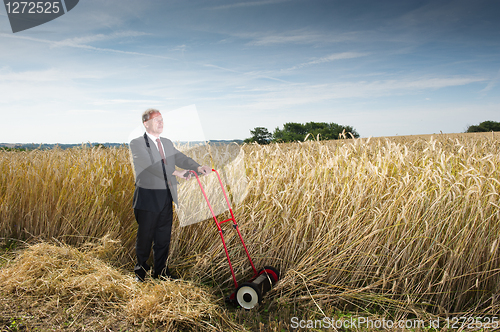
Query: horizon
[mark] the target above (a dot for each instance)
(235, 140)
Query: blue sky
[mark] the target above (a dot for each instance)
(384, 67)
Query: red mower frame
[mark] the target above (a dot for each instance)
(250, 292)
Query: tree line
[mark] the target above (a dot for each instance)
(293, 131)
(484, 127)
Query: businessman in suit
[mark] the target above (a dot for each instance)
(154, 159)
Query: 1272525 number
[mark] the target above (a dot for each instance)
(40, 7)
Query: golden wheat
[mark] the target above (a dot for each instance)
(408, 225)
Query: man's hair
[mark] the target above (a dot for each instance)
(147, 114)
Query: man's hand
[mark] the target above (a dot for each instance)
(184, 174)
(204, 170)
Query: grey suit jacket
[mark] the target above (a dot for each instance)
(150, 182)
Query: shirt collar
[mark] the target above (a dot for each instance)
(152, 137)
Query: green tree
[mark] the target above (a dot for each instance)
(297, 132)
(260, 135)
(484, 126)
(291, 132)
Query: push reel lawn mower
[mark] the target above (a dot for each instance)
(247, 294)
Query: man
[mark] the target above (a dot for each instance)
(154, 159)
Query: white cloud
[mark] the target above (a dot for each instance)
(182, 48)
(330, 58)
(491, 84)
(298, 36)
(87, 112)
(283, 96)
(74, 42)
(47, 75)
(249, 4)
(255, 75)
(337, 56)
(124, 101)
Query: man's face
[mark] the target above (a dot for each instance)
(154, 125)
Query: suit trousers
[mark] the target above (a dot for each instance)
(154, 228)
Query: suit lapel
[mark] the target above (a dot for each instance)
(154, 149)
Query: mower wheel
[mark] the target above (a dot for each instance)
(248, 295)
(272, 272)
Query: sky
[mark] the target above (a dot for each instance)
(225, 67)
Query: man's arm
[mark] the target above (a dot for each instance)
(182, 161)
(185, 162)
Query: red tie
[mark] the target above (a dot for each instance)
(161, 150)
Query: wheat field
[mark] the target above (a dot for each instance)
(397, 227)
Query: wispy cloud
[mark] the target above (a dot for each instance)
(491, 84)
(336, 56)
(432, 83)
(92, 111)
(182, 48)
(330, 58)
(283, 96)
(80, 42)
(98, 37)
(48, 75)
(249, 4)
(249, 74)
(124, 101)
(73, 42)
(300, 36)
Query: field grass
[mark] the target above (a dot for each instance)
(396, 227)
